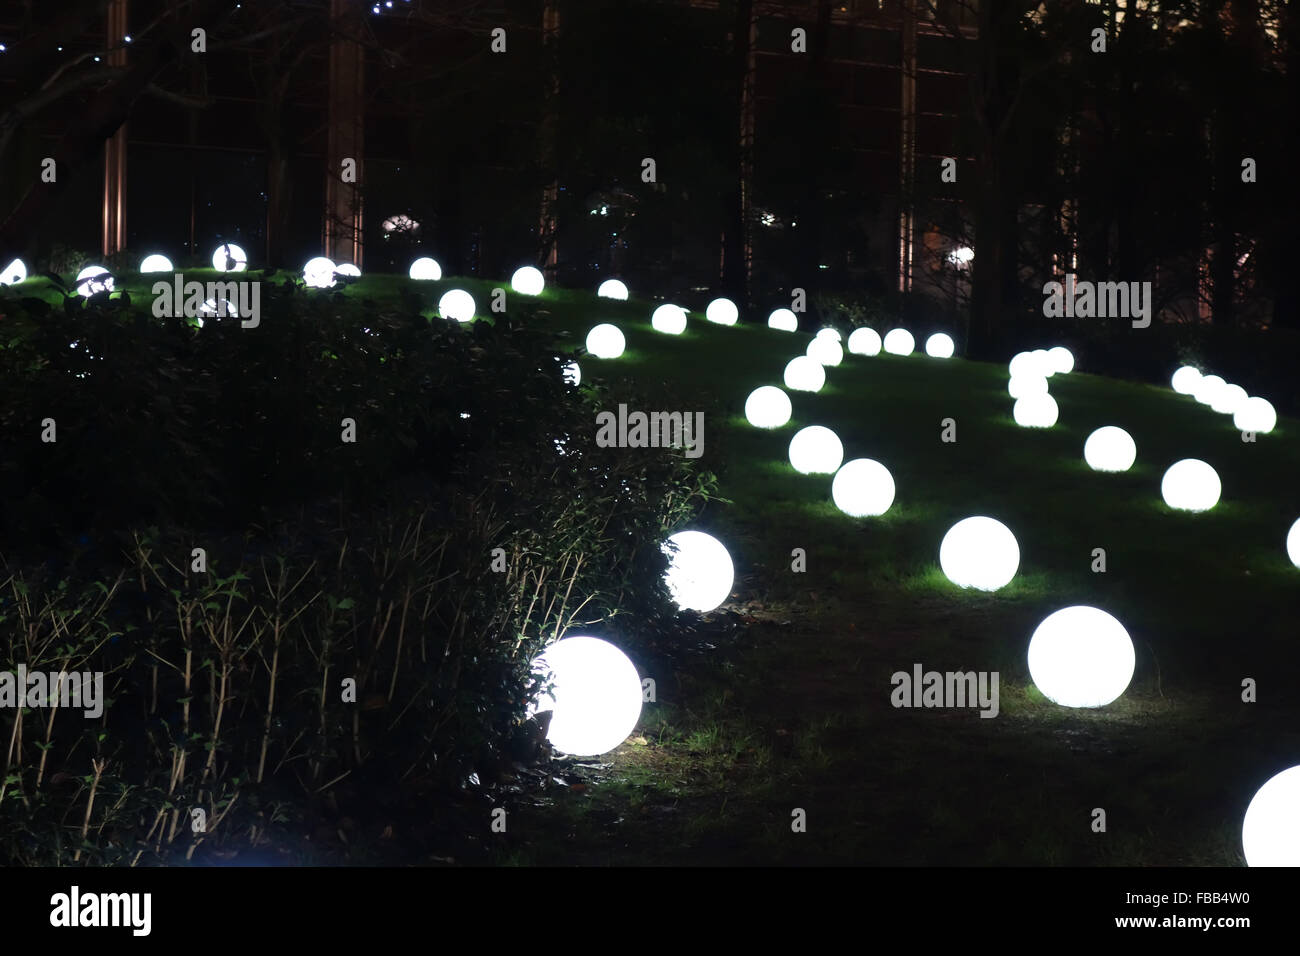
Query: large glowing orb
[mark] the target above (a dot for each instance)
(606, 341)
(595, 695)
(1081, 657)
(1035, 411)
(425, 269)
(456, 304)
(940, 345)
(92, 280)
(979, 553)
(1185, 379)
(1026, 383)
(768, 407)
(1191, 485)
(1061, 359)
(528, 281)
(1270, 831)
(803, 374)
(722, 311)
(1110, 448)
(228, 257)
(830, 333)
(700, 572)
(669, 319)
(1207, 389)
(783, 320)
(899, 342)
(1229, 400)
(156, 263)
(318, 273)
(824, 350)
(612, 289)
(816, 450)
(1255, 415)
(863, 488)
(864, 341)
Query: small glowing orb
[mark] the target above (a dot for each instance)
(824, 350)
(456, 304)
(979, 553)
(1081, 657)
(864, 341)
(572, 373)
(156, 263)
(318, 273)
(1043, 362)
(606, 341)
(1229, 400)
(1110, 448)
(1293, 543)
(899, 342)
(1191, 485)
(1207, 389)
(1035, 411)
(863, 488)
(1185, 379)
(93, 279)
(828, 332)
(816, 450)
(669, 319)
(596, 695)
(348, 269)
(1026, 383)
(803, 374)
(528, 281)
(768, 407)
(16, 272)
(1255, 415)
(1270, 832)
(425, 269)
(612, 289)
(229, 258)
(1061, 359)
(722, 311)
(700, 572)
(1023, 363)
(940, 345)
(783, 320)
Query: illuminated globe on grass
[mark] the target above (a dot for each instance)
(425, 269)
(15, 272)
(816, 450)
(722, 311)
(824, 350)
(1191, 485)
(318, 273)
(1255, 415)
(1293, 543)
(979, 553)
(1026, 383)
(572, 373)
(940, 345)
(864, 341)
(92, 280)
(348, 269)
(1207, 389)
(1061, 359)
(595, 696)
(228, 257)
(1185, 379)
(669, 319)
(1023, 363)
(783, 320)
(1229, 400)
(456, 304)
(528, 281)
(1270, 831)
(1043, 362)
(829, 333)
(612, 289)
(899, 342)
(1035, 411)
(768, 407)
(863, 488)
(803, 374)
(700, 573)
(156, 263)
(606, 341)
(1081, 657)
(1110, 448)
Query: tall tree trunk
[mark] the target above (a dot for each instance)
(738, 248)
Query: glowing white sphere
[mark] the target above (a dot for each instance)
(1061, 358)
(979, 553)
(1026, 383)
(1081, 657)
(595, 698)
(1185, 379)
(1270, 831)
(572, 373)
(863, 488)
(16, 272)
(156, 263)
(456, 304)
(1293, 543)
(670, 319)
(1023, 363)
(229, 258)
(768, 407)
(824, 350)
(1035, 411)
(528, 281)
(1191, 485)
(816, 450)
(940, 345)
(1110, 448)
(899, 342)
(1255, 415)
(803, 374)
(612, 289)
(700, 573)
(606, 341)
(1229, 400)
(722, 311)
(864, 341)
(93, 279)
(425, 269)
(828, 332)
(348, 269)
(1043, 362)
(318, 273)
(783, 320)
(1207, 389)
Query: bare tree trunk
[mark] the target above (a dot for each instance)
(738, 244)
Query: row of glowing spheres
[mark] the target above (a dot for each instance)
(1250, 413)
